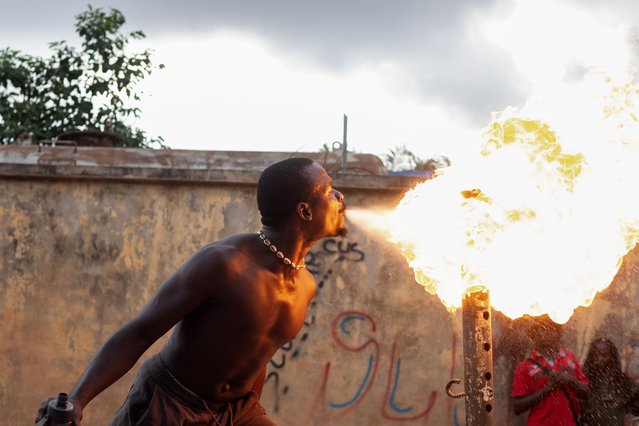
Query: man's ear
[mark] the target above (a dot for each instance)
(304, 211)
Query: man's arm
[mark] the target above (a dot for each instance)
(177, 297)
(580, 388)
(522, 404)
(118, 354)
(576, 379)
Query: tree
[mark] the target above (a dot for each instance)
(93, 88)
(401, 158)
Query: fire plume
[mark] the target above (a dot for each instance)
(541, 212)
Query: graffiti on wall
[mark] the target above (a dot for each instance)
(391, 408)
(378, 364)
(339, 250)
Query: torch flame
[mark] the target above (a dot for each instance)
(544, 212)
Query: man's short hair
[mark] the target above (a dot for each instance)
(281, 186)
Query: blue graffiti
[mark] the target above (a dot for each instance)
(344, 323)
(392, 395)
(361, 387)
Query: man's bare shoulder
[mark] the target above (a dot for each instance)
(222, 255)
(228, 246)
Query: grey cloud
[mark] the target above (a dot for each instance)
(426, 38)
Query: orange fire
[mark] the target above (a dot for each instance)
(541, 212)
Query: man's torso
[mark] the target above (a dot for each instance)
(218, 350)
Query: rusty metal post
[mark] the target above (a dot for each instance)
(345, 145)
(478, 358)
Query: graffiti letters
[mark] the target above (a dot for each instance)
(274, 375)
(345, 251)
(354, 332)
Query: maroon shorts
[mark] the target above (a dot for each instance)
(157, 399)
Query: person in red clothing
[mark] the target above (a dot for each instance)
(550, 382)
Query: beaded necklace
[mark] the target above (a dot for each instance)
(278, 253)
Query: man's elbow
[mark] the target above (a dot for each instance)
(132, 338)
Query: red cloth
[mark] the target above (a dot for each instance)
(554, 409)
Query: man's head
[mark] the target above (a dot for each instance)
(544, 332)
(300, 189)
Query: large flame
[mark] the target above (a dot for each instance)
(542, 209)
(544, 212)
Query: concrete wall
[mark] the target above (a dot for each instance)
(87, 236)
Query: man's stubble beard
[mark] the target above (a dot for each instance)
(342, 232)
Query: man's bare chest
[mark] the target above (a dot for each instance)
(254, 312)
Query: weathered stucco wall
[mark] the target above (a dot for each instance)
(84, 246)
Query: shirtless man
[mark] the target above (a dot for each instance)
(234, 303)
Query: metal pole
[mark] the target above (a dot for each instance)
(344, 144)
(478, 358)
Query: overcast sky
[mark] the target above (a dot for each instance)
(280, 74)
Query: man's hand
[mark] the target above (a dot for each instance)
(561, 378)
(77, 411)
(41, 418)
(567, 378)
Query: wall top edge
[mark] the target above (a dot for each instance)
(362, 171)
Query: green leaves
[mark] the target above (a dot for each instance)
(90, 88)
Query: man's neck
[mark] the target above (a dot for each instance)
(290, 242)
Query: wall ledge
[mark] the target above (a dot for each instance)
(363, 171)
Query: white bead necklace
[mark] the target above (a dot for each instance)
(278, 253)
